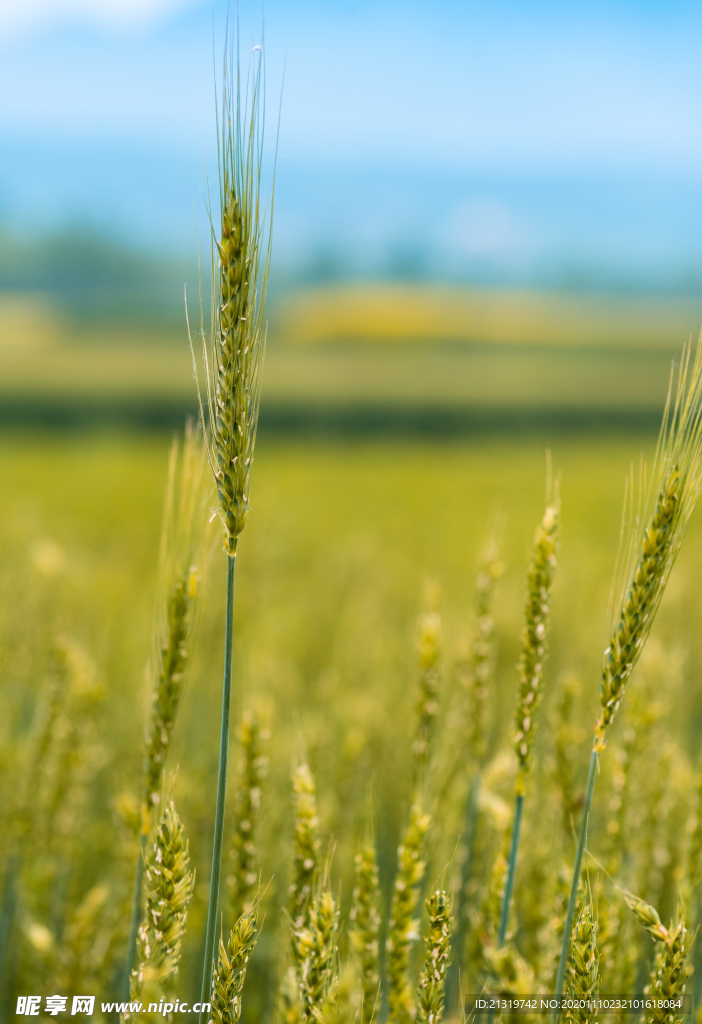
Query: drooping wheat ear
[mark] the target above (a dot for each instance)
(584, 969)
(667, 982)
(230, 971)
(542, 570)
(403, 928)
(240, 278)
(430, 996)
(364, 931)
(476, 669)
(306, 845)
(316, 952)
(428, 705)
(244, 878)
(669, 971)
(654, 545)
(169, 888)
(648, 557)
(647, 916)
(182, 556)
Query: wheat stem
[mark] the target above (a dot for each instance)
(511, 867)
(572, 898)
(211, 936)
(136, 914)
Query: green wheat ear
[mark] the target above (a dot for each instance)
(652, 545)
(654, 540)
(240, 263)
(432, 983)
(169, 889)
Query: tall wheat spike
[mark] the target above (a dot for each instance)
(540, 576)
(648, 554)
(232, 360)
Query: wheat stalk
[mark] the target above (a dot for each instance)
(654, 542)
(542, 568)
(232, 370)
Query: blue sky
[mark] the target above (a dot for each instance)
(522, 133)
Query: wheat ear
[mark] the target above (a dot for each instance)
(667, 982)
(316, 953)
(584, 968)
(230, 971)
(364, 931)
(181, 564)
(232, 368)
(307, 842)
(654, 542)
(428, 705)
(402, 928)
(169, 888)
(430, 996)
(542, 570)
(244, 879)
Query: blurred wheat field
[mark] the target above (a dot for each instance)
(343, 536)
(364, 359)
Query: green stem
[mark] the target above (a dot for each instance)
(580, 853)
(512, 868)
(134, 922)
(221, 791)
(459, 941)
(8, 905)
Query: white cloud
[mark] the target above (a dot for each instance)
(23, 17)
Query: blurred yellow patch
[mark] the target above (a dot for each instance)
(28, 320)
(415, 313)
